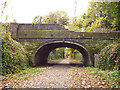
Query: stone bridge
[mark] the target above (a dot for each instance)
(50, 36)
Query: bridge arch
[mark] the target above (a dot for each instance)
(42, 53)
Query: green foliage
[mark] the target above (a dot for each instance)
(110, 57)
(73, 53)
(99, 15)
(14, 57)
(37, 19)
(57, 17)
(62, 53)
(104, 14)
(57, 53)
(75, 24)
(5, 4)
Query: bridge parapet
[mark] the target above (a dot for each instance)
(64, 34)
(15, 27)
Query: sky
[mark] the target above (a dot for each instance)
(24, 11)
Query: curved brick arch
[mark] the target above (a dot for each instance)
(42, 53)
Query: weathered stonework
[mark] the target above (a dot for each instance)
(14, 28)
(55, 36)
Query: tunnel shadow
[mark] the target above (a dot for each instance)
(71, 64)
(63, 64)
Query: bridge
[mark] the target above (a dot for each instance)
(47, 37)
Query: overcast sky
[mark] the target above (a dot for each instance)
(25, 10)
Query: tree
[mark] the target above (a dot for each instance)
(51, 18)
(104, 15)
(99, 15)
(57, 17)
(76, 24)
(37, 19)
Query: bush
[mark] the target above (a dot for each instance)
(14, 57)
(110, 57)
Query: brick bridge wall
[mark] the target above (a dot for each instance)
(88, 43)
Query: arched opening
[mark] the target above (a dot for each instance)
(65, 55)
(42, 53)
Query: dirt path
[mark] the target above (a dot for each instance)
(56, 77)
(60, 76)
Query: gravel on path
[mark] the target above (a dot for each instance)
(55, 77)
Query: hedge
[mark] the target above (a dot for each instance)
(14, 57)
(109, 57)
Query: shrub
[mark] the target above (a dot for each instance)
(110, 57)
(14, 57)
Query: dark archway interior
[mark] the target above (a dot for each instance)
(42, 54)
